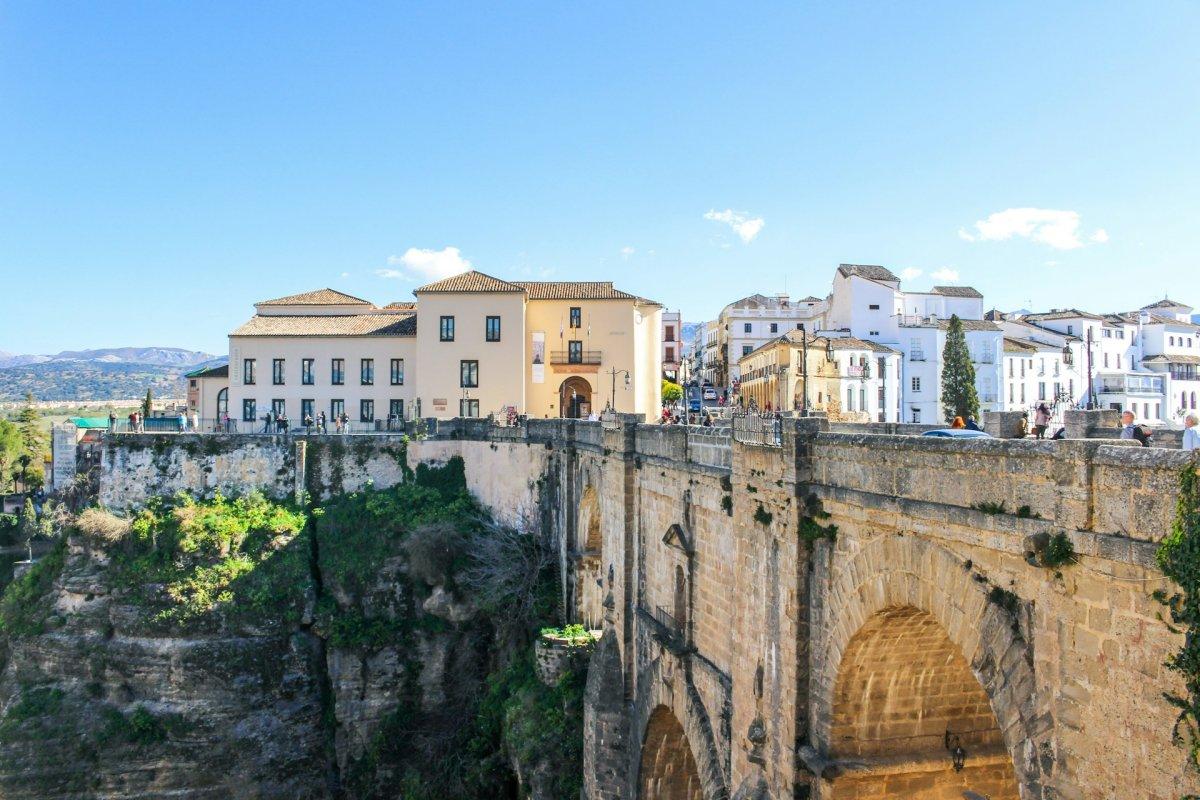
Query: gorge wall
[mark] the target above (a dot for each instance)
(828, 615)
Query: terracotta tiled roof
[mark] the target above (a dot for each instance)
(852, 343)
(574, 290)
(1062, 313)
(1166, 302)
(470, 281)
(967, 324)
(1159, 319)
(402, 306)
(352, 325)
(319, 297)
(1171, 359)
(1012, 345)
(875, 273)
(956, 291)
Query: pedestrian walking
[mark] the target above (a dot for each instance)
(112, 422)
(1041, 421)
(1191, 436)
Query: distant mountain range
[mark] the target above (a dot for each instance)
(113, 373)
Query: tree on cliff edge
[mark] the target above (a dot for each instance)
(959, 398)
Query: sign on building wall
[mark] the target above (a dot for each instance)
(62, 454)
(539, 356)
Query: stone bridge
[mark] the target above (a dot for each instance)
(839, 615)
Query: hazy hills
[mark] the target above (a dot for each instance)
(113, 373)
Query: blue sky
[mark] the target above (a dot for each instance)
(164, 165)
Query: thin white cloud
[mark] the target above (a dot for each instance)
(429, 265)
(945, 274)
(1048, 226)
(345, 274)
(626, 252)
(1051, 263)
(910, 274)
(745, 226)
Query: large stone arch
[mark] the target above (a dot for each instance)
(903, 586)
(664, 683)
(668, 770)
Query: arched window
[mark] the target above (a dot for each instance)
(222, 403)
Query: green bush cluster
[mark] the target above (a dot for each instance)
(1179, 558)
(24, 607)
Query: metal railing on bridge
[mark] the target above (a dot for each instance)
(260, 427)
(760, 428)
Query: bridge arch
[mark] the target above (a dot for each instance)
(589, 579)
(668, 770)
(905, 619)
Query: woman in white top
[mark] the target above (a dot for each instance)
(1191, 437)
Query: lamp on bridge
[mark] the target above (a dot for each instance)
(958, 756)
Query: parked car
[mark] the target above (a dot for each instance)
(694, 403)
(958, 433)
(710, 393)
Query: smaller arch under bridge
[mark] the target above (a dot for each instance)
(836, 619)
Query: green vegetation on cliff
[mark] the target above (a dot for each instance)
(402, 618)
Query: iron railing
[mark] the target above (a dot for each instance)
(578, 357)
(764, 429)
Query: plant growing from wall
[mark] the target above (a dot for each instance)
(1059, 552)
(1179, 559)
(959, 398)
(811, 530)
(762, 516)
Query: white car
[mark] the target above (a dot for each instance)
(710, 393)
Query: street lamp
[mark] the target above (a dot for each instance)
(614, 372)
(804, 367)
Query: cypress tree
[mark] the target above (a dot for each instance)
(147, 404)
(959, 398)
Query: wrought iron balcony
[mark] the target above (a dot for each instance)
(576, 357)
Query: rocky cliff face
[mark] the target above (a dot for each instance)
(241, 649)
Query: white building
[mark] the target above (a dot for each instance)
(747, 324)
(867, 302)
(672, 344)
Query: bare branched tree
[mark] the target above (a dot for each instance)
(511, 572)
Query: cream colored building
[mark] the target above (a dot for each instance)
(479, 345)
(322, 352)
(565, 348)
(849, 379)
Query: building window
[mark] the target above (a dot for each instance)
(366, 410)
(249, 414)
(306, 411)
(670, 333)
(366, 371)
(446, 329)
(746, 327)
(576, 316)
(872, 333)
(279, 408)
(747, 349)
(574, 352)
(306, 371)
(916, 415)
(1106, 360)
(916, 384)
(670, 357)
(337, 371)
(468, 407)
(396, 409)
(774, 327)
(849, 398)
(874, 306)
(1106, 333)
(397, 372)
(1171, 341)
(277, 371)
(336, 409)
(468, 374)
(1070, 330)
(492, 329)
(248, 371)
(1041, 390)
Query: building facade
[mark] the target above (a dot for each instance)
(479, 345)
(672, 345)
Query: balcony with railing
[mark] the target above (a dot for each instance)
(591, 357)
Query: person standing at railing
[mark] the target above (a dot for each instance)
(1191, 437)
(112, 422)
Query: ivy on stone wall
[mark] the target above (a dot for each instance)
(1179, 559)
(812, 531)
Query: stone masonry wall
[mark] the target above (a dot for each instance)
(736, 591)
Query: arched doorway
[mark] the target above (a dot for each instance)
(904, 699)
(575, 398)
(668, 770)
(222, 403)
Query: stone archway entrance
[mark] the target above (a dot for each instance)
(575, 398)
(589, 583)
(901, 686)
(668, 770)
